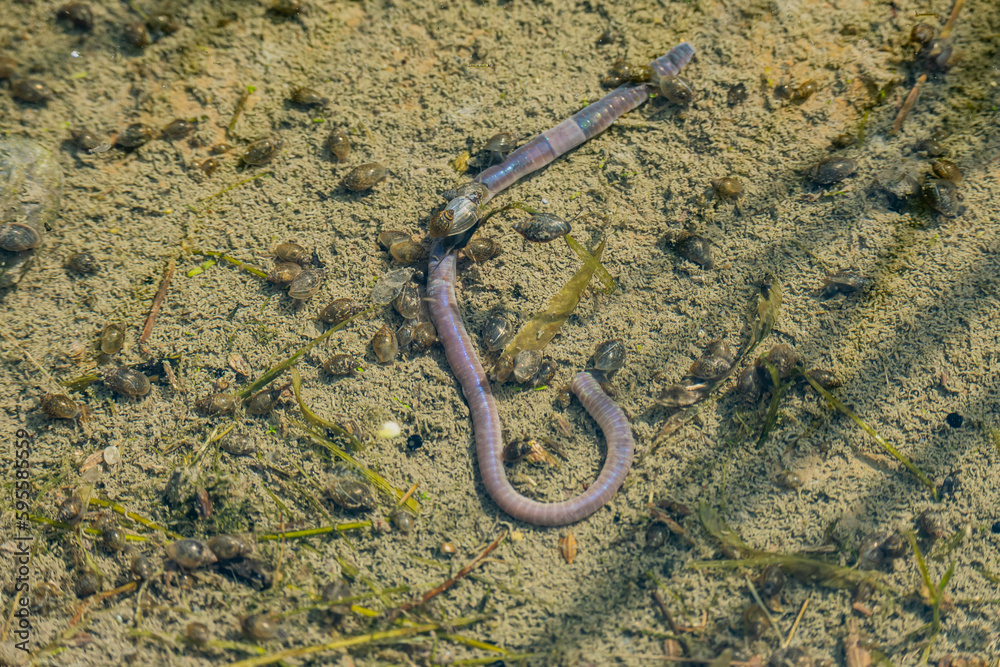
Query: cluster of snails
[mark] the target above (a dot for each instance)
(936, 54)
(675, 89)
(934, 185)
(417, 332)
(713, 366)
(292, 269)
(756, 379)
(498, 330)
(798, 94)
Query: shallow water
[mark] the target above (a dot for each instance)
(415, 86)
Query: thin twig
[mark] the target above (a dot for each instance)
(437, 590)
(406, 496)
(154, 310)
(666, 612)
(911, 99)
(28, 356)
(946, 30)
(795, 625)
(97, 597)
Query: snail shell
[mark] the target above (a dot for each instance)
(18, 237)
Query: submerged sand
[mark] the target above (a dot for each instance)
(416, 85)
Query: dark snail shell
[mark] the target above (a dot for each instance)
(18, 237)
(365, 177)
(542, 228)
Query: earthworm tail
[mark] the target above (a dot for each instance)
(486, 421)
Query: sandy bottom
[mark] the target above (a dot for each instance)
(415, 86)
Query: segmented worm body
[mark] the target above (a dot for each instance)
(564, 137)
(462, 213)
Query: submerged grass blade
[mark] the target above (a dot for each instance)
(772, 411)
(277, 370)
(232, 260)
(312, 532)
(801, 567)
(768, 309)
(316, 420)
(537, 333)
(366, 472)
(118, 509)
(805, 569)
(732, 543)
(899, 456)
(357, 640)
(602, 273)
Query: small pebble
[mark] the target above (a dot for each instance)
(111, 455)
(388, 431)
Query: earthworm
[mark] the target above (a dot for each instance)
(486, 420)
(463, 210)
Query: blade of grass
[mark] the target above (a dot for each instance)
(368, 474)
(899, 456)
(277, 370)
(357, 640)
(772, 411)
(118, 509)
(316, 420)
(312, 532)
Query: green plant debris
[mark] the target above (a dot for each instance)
(368, 474)
(89, 531)
(537, 333)
(385, 636)
(602, 273)
(316, 420)
(223, 256)
(512, 658)
(933, 594)
(768, 309)
(118, 509)
(475, 643)
(521, 206)
(995, 434)
(201, 268)
(82, 382)
(312, 532)
(801, 567)
(899, 456)
(772, 412)
(240, 106)
(277, 370)
(944, 549)
(263, 174)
